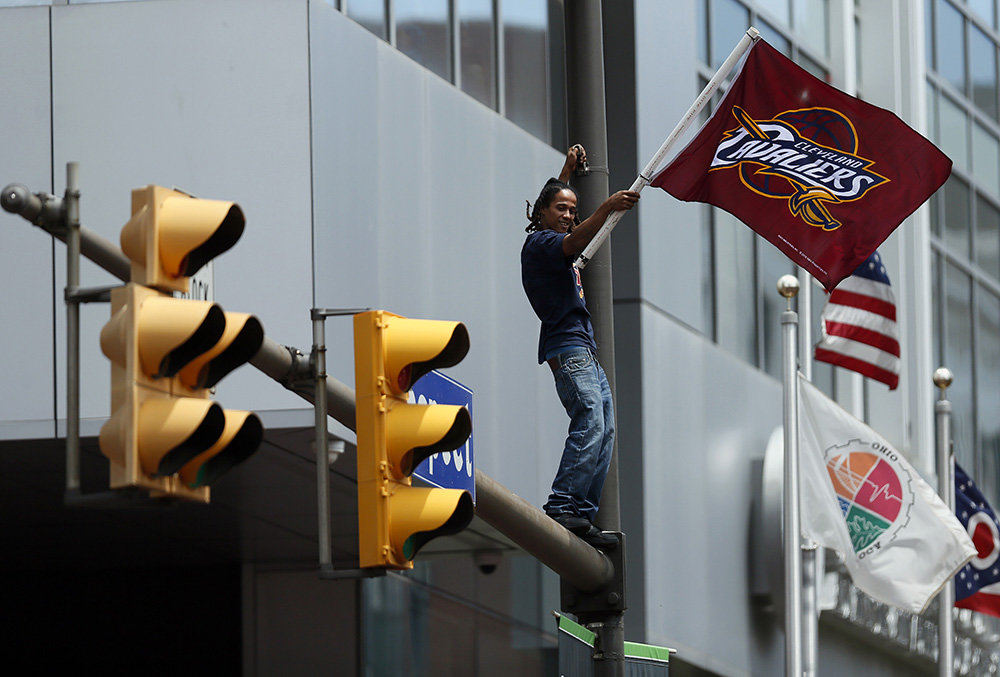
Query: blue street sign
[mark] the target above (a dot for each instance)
(446, 469)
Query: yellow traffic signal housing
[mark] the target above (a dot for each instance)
(172, 235)
(160, 425)
(395, 519)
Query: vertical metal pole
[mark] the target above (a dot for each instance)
(587, 124)
(812, 557)
(788, 286)
(72, 202)
(322, 456)
(946, 489)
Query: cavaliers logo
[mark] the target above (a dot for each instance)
(873, 491)
(806, 156)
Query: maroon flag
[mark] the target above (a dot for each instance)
(823, 176)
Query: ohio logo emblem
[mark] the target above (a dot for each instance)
(873, 490)
(806, 156)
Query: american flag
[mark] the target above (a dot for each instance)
(977, 585)
(859, 325)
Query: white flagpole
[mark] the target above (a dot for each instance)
(946, 489)
(644, 178)
(788, 286)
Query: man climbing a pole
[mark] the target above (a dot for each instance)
(556, 236)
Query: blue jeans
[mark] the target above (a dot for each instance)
(584, 391)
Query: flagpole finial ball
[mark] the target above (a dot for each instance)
(788, 286)
(943, 377)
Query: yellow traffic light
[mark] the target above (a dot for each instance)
(164, 433)
(396, 519)
(172, 235)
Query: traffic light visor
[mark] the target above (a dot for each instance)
(239, 342)
(415, 347)
(240, 438)
(420, 515)
(173, 431)
(193, 232)
(416, 431)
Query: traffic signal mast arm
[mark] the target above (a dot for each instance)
(579, 564)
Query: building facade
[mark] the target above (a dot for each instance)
(382, 151)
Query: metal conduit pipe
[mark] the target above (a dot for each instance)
(555, 547)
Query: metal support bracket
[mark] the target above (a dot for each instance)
(609, 598)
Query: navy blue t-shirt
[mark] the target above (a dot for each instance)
(555, 293)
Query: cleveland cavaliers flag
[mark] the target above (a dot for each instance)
(823, 176)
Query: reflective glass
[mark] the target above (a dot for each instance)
(422, 33)
(937, 293)
(475, 21)
(771, 264)
(812, 67)
(730, 21)
(811, 23)
(929, 33)
(774, 38)
(777, 9)
(701, 30)
(983, 59)
(986, 159)
(932, 126)
(736, 317)
(984, 8)
(988, 237)
(525, 23)
(949, 44)
(958, 358)
(953, 124)
(957, 216)
(370, 14)
(988, 392)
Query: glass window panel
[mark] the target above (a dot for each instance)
(858, 70)
(984, 8)
(812, 67)
(934, 206)
(730, 21)
(936, 293)
(476, 23)
(932, 126)
(986, 159)
(988, 393)
(988, 237)
(777, 9)
(370, 14)
(949, 44)
(701, 30)
(953, 124)
(422, 33)
(811, 23)
(956, 215)
(774, 38)
(958, 358)
(525, 23)
(929, 33)
(983, 55)
(736, 319)
(771, 264)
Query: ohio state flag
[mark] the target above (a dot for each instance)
(821, 175)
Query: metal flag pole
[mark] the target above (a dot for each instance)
(751, 36)
(946, 489)
(788, 286)
(812, 556)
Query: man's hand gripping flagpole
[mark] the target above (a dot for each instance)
(645, 176)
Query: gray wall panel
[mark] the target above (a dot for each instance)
(420, 210)
(27, 359)
(704, 419)
(211, 97)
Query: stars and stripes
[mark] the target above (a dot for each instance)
(859, 325)
(977, 584)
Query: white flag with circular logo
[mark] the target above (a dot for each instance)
(860, 497)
